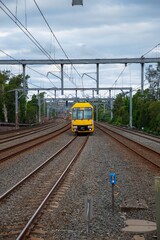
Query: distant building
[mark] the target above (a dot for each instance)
(77, 2)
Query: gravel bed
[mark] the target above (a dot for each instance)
(91, 178)
(21, 205)
(135, 180)
(15, 169)
(24, 138)
(138, 138)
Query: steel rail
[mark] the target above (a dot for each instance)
(54, 188)
(38, 168)
(34, 142)
(137, 133)
(110, 133)
(26, 132)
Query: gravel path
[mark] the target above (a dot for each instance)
(135, 180)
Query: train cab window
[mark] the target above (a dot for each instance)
(74, 114)
(87, 113)
(80, 114)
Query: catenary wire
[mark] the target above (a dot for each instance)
(29, 68)
(31, 37)
(56, 38)
(150, 50)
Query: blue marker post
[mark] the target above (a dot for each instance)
(112, 179)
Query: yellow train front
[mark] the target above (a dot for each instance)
(82, 118)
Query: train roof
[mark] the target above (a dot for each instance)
(82, 104)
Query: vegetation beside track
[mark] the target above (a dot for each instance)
(146, 106)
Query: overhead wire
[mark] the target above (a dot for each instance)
(117, 78)
(45, 89)
(57, 41)
(150, 50)
(55, 36)
(30, 36)
(25, 14)
(16, 8)
(29, 68)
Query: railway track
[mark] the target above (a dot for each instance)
(136, 133)
(12, 147)
(16, 134)
(21, 205)
(140, 146)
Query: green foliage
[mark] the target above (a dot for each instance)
(146, 111)
(8, 84)
(15, 82)
(27, 111)
(154, 116)
(140, 109)
(146, 106)
(153, 77)
(32, 110)
(121, 110)
(4, 76)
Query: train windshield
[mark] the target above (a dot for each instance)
(78, 113)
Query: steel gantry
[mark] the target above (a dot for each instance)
(93, 99)
(61, 62)
(97, 62)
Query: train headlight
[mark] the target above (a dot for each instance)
(90, 127)
(74, 128)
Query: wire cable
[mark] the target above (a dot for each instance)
(55, 36)
(30, 36)
(30, 69)
(119, 76)
(25, 14)
(150, 50)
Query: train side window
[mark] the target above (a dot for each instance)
(88, 114)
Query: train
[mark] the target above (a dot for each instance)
(82, 118)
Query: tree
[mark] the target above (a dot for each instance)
(140, 116)
(121, 110)
(15, 82)
(154, 114)
(32, 110)
(153, 77)
(4, 76)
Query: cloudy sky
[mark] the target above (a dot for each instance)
(98, 29)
